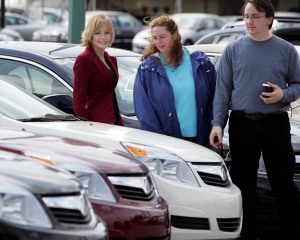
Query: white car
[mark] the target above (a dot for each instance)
(203, 201)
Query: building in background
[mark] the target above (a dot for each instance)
(142, 8)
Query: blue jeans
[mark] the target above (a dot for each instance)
(271, 136)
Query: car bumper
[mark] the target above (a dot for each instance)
(202, 212)
(128, 221)
(19, 232)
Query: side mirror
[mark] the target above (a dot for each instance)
(61, 101)
(200, 28)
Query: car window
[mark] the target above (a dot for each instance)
(14, 21)
(126, 21)
(220, 23)
(16, 104)
(288, 24)
(226, 38)
(36, 81)
(207, 41)
(114, 20)
(127, 67)
(208, 24)
(186, 22)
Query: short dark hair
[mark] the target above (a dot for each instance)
(262, 6)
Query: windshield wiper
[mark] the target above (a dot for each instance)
(52, 118)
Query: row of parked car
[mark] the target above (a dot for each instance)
(142, 185)
(131, 34)
(209, 28)
(131, 184)
(25, 29)
(188, 187)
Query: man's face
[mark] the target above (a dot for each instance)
(256, 22)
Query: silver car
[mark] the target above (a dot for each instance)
(23, 25)
(192, 26)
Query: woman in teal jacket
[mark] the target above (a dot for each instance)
(174, 86)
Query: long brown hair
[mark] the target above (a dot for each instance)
(170, 25)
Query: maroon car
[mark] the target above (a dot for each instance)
(120, 188)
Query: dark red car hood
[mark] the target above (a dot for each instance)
(104, 160)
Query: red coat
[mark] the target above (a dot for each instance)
(93, 91)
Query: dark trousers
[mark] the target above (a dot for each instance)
(271, 136)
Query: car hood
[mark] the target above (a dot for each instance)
(111, 135)
(38, 178)
(104, 160)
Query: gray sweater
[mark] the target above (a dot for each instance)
(247, 64)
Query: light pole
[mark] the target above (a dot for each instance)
(2, 14)
(178, 6)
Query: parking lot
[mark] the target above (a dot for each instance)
(64, 177)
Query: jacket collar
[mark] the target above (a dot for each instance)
(153, 60)
(112, 62)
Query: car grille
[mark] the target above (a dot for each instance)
(138, 188)
(73, 209)
(214, 180)
(228, 224)
(214, 174)
(190, 223)
(133, 193)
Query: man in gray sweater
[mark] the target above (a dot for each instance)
(258, 122)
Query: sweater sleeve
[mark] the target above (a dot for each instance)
(224, 86)
(292, 92)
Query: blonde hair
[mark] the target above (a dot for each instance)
(93, 26)
(169, 24)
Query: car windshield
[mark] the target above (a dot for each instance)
(127, 67)
(186, 22)
(18, 104)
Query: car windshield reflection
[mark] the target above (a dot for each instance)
(15, 103)
(127, 67)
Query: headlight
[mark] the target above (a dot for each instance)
(19, 206)
(162, 163)
(92, 181)
(4, 37)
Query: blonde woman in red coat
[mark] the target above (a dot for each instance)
(96, 74)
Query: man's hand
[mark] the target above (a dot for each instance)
(274, 96)
(216, 137)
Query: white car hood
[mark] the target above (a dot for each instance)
(111, 136)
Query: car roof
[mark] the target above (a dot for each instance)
(240, 29)
(209, 48)
(55, 50)
(195, 15)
